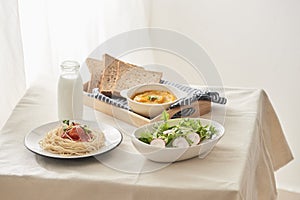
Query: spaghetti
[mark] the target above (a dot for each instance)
(72, 139)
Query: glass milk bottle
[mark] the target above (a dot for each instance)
(70, 91)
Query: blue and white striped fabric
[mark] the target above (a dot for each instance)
(193, 95)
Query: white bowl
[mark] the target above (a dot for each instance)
(172, 154)
(150, 110)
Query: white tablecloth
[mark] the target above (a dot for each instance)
(241, 166)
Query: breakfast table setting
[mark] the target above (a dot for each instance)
(235, 161)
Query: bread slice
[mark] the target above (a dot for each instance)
(119, 75)
(136, 77)
(95, 68)
(114, 69)
(124, 68)
(109, 75)
(85, 86)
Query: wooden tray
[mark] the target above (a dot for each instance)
(196, 109)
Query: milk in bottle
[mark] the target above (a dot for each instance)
(70, 91)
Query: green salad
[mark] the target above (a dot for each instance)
(187, 132)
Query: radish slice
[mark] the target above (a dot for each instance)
(194, 137)
(158, 142)
(167, 132)
(180, 142)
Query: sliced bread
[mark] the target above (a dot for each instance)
(109, 75)
(114, 69)
(95, 68)
(123, 68)
(118, 75)
(136, 77)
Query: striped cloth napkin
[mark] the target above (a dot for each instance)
(193, 94)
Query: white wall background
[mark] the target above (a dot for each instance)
(253, 43)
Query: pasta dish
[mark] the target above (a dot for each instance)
(72, 138)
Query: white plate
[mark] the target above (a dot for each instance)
(112, 139)
(172, 154)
